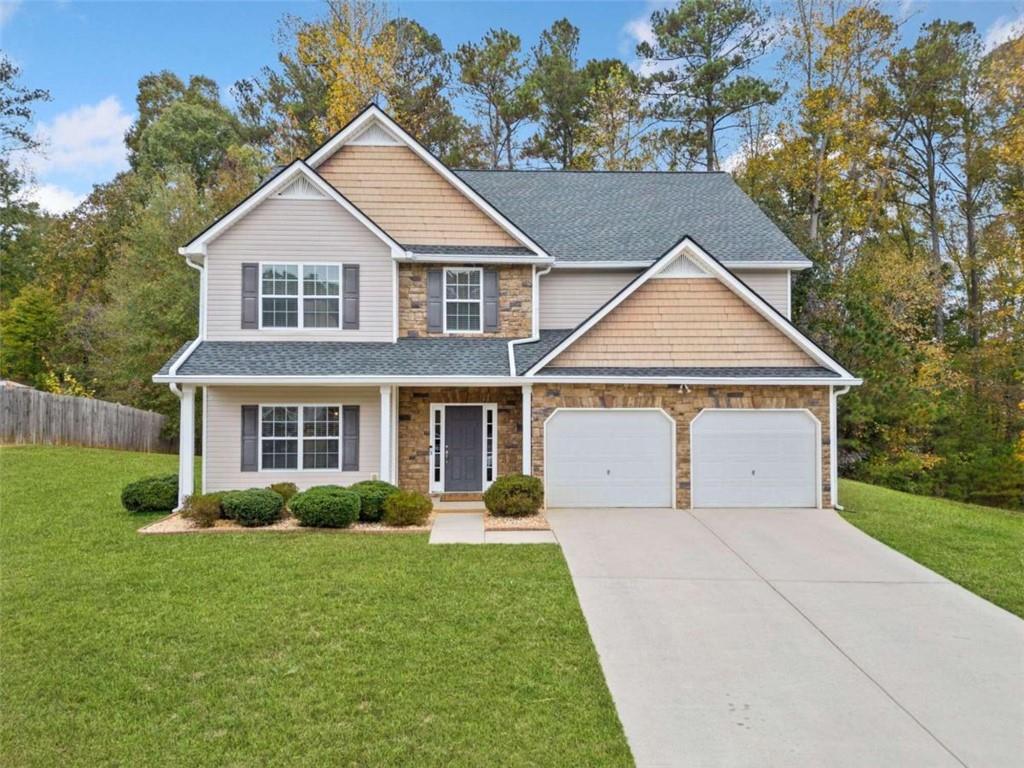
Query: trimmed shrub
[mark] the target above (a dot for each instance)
(514, 496)
(407, 508)
(254, 507)
(203, 509)
(151, 494)
(372, 495)
(285, 490)
(326, 506)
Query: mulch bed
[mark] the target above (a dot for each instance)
(175, 523)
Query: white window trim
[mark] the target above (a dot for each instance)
(445, 299)
(436, 459)
(301, 296)
(300, 438)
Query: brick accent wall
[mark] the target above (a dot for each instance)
(515, 301)
(683, 406)
(414, 428)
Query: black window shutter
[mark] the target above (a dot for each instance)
(435, 301)
(490, 299)
(350, 437)
(350, 297)
(250, 295)
(250, 438)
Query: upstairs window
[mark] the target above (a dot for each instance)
(463, 300)
(300, 295)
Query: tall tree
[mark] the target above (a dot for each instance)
(613, 138)
(493, 74)
(561, 88)
(19, 218)
(923, 79)
(352, 51)
(701, 52)
(417, 95)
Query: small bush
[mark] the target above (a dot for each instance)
(285, 490)
(372, 495)
(151, 494)
(326, 506)
(203, 509)
(514, 496)
(407, 508)
(254, 507)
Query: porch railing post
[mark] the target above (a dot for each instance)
(527, 429)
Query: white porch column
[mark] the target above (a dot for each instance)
(386, 470)
(187, 443)
(527, 429)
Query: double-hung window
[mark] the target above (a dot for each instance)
(292, 436)
(300, 295)
(463, 300)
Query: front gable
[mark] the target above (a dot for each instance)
(412, 194)
(408, 198)
(686, 311)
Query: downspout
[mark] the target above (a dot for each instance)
(834, 444)
(534, 320)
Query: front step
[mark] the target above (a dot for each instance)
(463, 496)
(441, 505)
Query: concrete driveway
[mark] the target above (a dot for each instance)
(789, 638)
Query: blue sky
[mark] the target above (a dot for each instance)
(90, 56)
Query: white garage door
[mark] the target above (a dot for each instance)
(609, 458)
(754, 459)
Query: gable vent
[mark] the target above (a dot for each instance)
(376, 135)
(301, 189)
(681, 267)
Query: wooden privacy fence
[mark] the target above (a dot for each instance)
(30, 416)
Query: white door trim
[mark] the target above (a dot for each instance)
(436, 458)
(662, 411)
(817, 443)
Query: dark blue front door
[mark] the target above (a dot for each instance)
(464, 443)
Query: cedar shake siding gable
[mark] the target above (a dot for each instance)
(281, 230)
(681, 323)
(408, 198)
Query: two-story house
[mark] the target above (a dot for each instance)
(370, 313)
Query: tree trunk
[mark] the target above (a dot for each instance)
(933, 231)
(709, 144)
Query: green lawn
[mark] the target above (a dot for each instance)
(980, 548)
(277, 649)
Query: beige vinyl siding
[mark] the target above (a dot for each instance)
(223, 458)
(683, 322)
(408, 198)
(771, 284)
(570, 296)
(308, 231)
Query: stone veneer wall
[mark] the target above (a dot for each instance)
(515, 300)
(683, 406)
(414, 428)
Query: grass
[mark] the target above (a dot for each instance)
(980, 548)
(277, 649)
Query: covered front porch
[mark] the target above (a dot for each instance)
(450, 442)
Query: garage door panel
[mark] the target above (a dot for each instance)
(609, 458)
(754, 459)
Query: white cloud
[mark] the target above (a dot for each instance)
(86, 139)
(638, 30)
(7, 9)
(1002, 29)
(738, 157)
(54, 199)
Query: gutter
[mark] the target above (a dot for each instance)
(202, 325)
(834, 442)
(534, 320)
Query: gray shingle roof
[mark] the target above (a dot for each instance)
(697, 372)
(166, 367)
(406, 357)
(581, 216)
(473, 250)
(527, 355)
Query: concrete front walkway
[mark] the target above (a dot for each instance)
(790, 638)
(468, 528)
